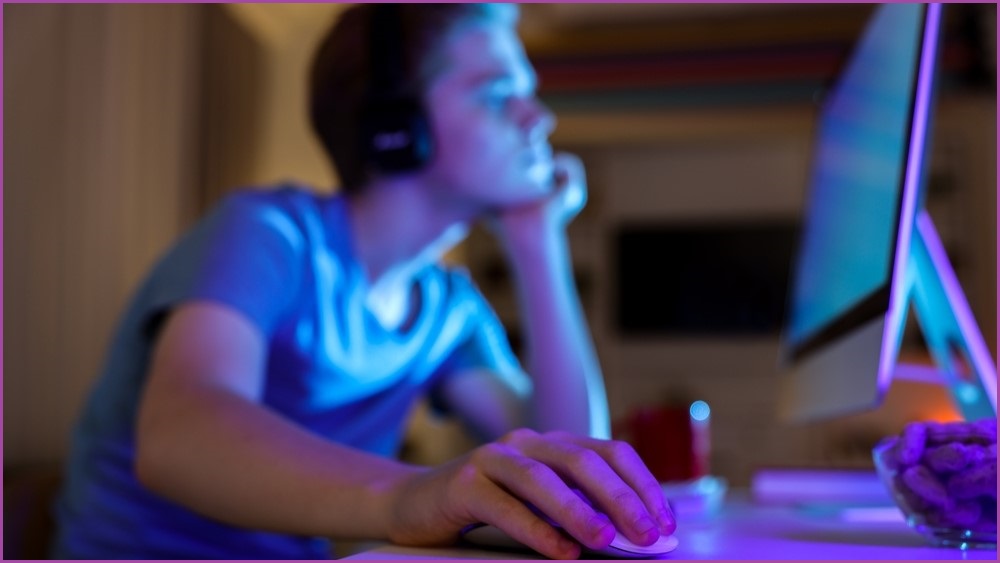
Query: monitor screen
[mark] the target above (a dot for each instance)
(847, 299)
(844, 266)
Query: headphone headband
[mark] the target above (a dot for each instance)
(396, 136)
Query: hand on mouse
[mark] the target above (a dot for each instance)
(499, 482)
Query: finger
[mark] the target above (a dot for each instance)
(601, 483)
(536, 483)
(570, 183)
(573, 198)
(627, 464)
(498, 507)
(513, 517)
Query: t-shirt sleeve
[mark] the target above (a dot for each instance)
(484, 345)
(246, 254)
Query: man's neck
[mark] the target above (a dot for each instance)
(398, 230)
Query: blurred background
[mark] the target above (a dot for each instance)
(123, 123)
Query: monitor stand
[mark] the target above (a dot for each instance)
(953, 338)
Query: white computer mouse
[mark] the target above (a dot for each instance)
(622, 547)
(485, 535)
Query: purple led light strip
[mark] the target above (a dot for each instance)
(898, 294)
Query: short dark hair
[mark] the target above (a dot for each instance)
(341, 71)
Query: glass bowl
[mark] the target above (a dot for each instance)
(930, 491)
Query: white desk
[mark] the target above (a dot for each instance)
(742, 530)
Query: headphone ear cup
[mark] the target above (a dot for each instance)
(396, 135)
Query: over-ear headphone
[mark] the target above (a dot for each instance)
(396, 136)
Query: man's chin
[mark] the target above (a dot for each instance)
(533, 196)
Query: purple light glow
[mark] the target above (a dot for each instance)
(899, 293)
(872, 514)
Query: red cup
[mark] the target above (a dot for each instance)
(673, 441)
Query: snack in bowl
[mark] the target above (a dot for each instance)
(943, 476)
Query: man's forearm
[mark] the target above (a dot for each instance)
(289, 480)
(569, 388)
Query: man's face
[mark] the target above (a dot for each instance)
(490, 132)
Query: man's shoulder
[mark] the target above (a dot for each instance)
(312, 214)
(292, 198)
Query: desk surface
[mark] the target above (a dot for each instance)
(742, 530)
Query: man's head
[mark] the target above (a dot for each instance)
(342, 81)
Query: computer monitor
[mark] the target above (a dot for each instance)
(868, 249)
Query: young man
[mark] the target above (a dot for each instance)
(258, 386)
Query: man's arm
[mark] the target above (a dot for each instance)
(568, 386)
(205, 441)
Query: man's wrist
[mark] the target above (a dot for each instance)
(390, 494)
(542, 249)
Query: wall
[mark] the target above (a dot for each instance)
(100, 148)
(283, 36)
(123, 123)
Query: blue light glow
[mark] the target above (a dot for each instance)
(967, 393)
(700, 411)
(858, 176)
